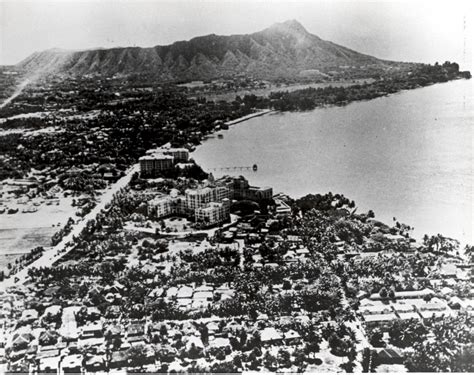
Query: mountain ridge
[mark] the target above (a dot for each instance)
(284, 49)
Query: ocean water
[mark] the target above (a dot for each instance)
(408, 155)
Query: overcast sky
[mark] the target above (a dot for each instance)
(422, 31)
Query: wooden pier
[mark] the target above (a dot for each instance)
(237, 168)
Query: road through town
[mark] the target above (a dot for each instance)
(54, 253)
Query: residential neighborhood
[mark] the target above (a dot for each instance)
(214, 187)
(166, 280)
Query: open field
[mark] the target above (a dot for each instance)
(21, 232)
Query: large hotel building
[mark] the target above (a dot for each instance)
(161, 159)
(208, 205)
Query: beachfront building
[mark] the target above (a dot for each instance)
(161, 159)
(179, 154)
(219, 193)
(240, 189)
(152, 164)
(282, 208)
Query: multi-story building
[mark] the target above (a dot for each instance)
(239, 188)
(150, 165)
(160, 207)
(197, 198)
(206, 205)
(220, 193)
(228, 183)
(179, 154)
(258, 193)
(178, 205)
(165, 206)
(162, 159)
(213, 213)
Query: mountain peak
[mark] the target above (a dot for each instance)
(290, 26)
(285, 49)
(294, 24)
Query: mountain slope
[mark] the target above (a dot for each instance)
(283, 50)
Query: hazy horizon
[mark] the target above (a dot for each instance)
(418, 31)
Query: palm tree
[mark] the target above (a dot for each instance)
(469, 251)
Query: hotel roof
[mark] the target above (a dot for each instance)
(156, 157)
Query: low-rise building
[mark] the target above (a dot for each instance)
(92, 329)
(49, 364)
(185, 292)
(377, 315)
(270, 335)
(434, 309)
(467, 306)
(29, 316)
(71, 364)
(282, 209)
(405, 311)
(410, 294)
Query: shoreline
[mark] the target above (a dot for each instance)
(248, 117)
(3, 255)
(386, 217)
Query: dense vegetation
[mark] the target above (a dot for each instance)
(116, 137)
(311, 98)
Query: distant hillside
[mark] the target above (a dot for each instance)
(283, 50)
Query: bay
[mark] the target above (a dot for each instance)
(408, 155)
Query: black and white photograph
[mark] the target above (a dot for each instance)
(236, 186)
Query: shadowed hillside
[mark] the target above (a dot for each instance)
(283, 50)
